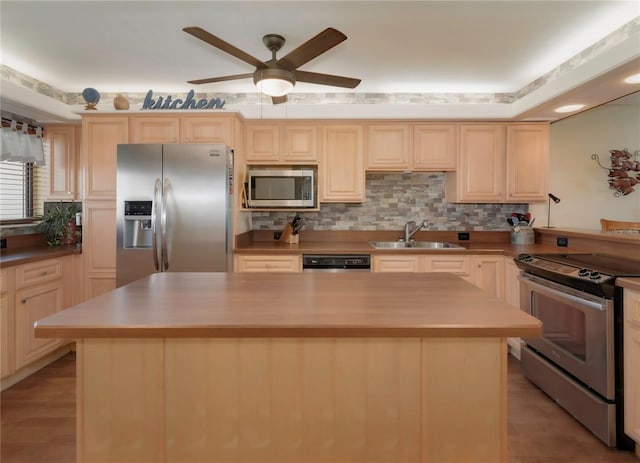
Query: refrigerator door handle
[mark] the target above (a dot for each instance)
(154, 241)
(163, 222)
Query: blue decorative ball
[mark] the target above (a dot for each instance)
(91, 96)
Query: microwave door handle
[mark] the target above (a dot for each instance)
(163, 223)
(154, 217)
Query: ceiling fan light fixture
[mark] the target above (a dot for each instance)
(274, 82)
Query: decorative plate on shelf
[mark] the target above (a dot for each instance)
(91, 96)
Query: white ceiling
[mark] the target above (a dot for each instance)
(458, 47)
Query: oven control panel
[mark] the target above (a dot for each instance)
(564, 269)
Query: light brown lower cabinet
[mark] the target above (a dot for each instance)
(30, 292)
(631, 353)
(484, 271)
(267, 263)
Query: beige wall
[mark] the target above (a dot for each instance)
(577, 180)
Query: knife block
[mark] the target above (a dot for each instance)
(287, 236)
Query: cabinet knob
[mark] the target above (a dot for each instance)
(43, 274)
(23, 301)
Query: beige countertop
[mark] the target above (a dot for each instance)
(200, 305)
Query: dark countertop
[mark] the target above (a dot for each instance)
(10, 258)
(363, 247)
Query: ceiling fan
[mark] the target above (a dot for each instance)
(276, 77)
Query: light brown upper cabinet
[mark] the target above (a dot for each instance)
(184, 129)
(282, 143)
(63, 142)
(341, 170)
(527, 162)
(411, 147)
(388, 147)
(494, 158)
(435, 147)
(100, 138)
(154, 129)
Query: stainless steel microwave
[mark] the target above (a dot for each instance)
(275, 188)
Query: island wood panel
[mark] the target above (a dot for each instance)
(120, 400)
(464, 404)
(291, 400)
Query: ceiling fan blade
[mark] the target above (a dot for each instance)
(313, 47)
(326, 79)
(220, 79)
(222, 45)
(279, 99)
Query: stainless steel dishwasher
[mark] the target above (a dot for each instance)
(336, 263)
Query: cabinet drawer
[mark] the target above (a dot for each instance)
(268, 264)
(38, 272)
(460, 265)
(397, 264)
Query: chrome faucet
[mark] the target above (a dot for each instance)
(408, 233)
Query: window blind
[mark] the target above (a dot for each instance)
(23, 188)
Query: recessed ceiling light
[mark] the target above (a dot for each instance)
(634, 79)
(569, 108)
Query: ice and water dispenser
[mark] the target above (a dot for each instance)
(137, 224)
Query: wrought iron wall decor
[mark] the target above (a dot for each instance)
(624, 171)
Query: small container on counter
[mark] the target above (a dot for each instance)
(522, 235)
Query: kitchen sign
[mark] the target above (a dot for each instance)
(188, 103)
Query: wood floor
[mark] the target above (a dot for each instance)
(38, 422)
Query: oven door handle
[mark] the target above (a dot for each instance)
(553, 288)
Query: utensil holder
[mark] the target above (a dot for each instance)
(287, 236)
(523, 236)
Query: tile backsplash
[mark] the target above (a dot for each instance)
(392, 200)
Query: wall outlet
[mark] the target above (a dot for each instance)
(3, 243)
(562, 241)
(463, 236)
(277, 235)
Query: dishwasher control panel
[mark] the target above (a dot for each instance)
(343, 262)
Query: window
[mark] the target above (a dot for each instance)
(23, 188)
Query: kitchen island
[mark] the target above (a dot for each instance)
(301, 367)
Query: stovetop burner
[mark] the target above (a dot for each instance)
(593, 273)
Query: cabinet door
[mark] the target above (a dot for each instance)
(33, 303)
(631, 352)
(268, 263)
(301, 144)
(388, 147)
(100, 138)
(7, 327)
(205, 129)
(397, 263)
(63, 142)
(99, 247)
(154, 129)
(489, 274)
(435, 147)
(263, 143)
(342, 167)
(481, 165)
(511, 282)
(527, 162)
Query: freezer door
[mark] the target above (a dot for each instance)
(197, 203)
(139, 168)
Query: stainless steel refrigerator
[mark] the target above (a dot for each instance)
(174, 209)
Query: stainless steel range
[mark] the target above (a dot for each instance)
(578, 360)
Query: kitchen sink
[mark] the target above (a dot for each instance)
(413, 245)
